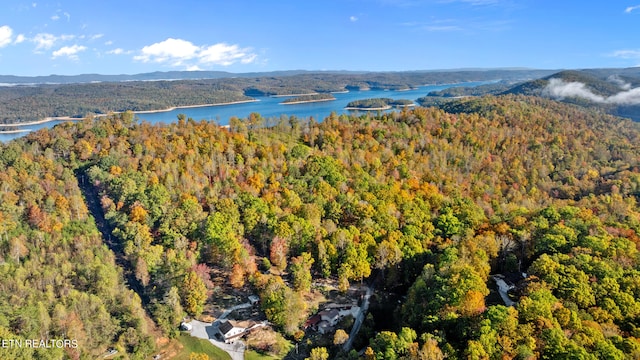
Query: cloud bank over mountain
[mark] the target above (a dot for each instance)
(559, 89)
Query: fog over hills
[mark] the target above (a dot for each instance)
(561, 89)
(616, 91)
(612, 86)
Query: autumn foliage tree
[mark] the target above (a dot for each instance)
(301, 271)
(194, 293)
(278, 252)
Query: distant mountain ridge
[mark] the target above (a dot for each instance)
(198, 75)
(152, 76)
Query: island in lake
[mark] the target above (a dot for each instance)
(378, 104)
(309, 98)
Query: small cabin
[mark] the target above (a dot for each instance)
(331, 316)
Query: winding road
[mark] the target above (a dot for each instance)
(359, 319)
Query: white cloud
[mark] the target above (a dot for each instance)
(629, 97)
(96, 36)
(559, 89)
(353, 18)
(5, 35)
(631, 8)
(69, 51)
(56, 16)
(175, 50)
(225, 55)
(19, 39)
(618, 81)
(108, 42)
(45, 41)
(194, 68)
(118, 51)
(627, 54)
(178, 52)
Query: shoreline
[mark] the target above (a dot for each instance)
(45, 120)
(68, 118)
(388, 107)
(18, 131)
(305, 101)
(400, 106)
(290, 95)
(187, 107)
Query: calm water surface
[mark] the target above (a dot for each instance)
(270, 107)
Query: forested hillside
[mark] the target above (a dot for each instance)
(613, 91)
(58, 280)
(427, 202)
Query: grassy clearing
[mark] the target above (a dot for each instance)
(254, 355)
(194, 345)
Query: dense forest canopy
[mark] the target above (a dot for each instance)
(426, 203)
(58, 279)
(378, 103)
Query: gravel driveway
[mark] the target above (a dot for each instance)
(206, 331)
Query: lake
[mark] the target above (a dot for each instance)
(270, 107)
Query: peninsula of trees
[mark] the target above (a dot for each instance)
(309, 98)
(378, 104)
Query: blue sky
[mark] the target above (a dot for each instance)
(42, 37)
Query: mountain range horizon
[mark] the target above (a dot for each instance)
(9, 79)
